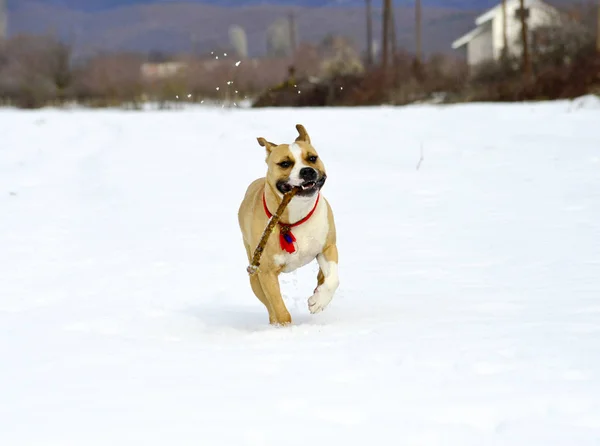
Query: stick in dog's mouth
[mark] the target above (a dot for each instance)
(253, 267)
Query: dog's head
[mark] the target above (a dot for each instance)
(297, 164)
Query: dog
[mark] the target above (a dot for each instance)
(306, 229)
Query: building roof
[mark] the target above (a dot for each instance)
(467, 37)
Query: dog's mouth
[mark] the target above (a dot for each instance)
(306, 189)
(308, 186)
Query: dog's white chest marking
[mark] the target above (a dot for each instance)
(310, 235)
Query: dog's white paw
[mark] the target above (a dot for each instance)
(319, 301)
(324, 292)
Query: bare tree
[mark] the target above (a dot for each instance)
(293, 31)
(386, 32)
(278, 39)
(561, 43)
(109, 79)
(369, 17)
(35, 70)
(339, 57)
(3, 20)
(418, 27)
(239, 40)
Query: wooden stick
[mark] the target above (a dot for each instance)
(253, 267)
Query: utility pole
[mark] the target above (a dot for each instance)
(292, 23)
(393, 45)
(392, 32)
(525, 41)
(418, 25)
(504, 31)
(369, 13)
(386, 32)
(598, 29)
(194, 44)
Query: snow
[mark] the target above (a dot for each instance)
(468, 311)
(589, 101)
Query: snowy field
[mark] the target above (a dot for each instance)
(468, 312)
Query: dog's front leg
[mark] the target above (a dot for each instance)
(279, 315)
(328, 280)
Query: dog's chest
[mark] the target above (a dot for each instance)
(310, 240)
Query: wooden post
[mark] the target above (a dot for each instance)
(369, 13)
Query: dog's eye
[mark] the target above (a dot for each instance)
(312, 159)
(285, 164)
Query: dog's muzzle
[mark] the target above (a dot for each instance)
(306, 188)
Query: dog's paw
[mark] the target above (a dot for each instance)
(320, 299)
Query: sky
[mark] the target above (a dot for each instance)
(92, 5)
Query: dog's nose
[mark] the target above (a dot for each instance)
(308, 174)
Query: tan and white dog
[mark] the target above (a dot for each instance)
(306, 230)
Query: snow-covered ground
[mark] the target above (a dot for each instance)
(468, 311)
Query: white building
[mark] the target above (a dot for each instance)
(486, 41)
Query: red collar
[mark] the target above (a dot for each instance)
(292, 225)
(286, 238)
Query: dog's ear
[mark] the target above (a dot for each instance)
(266, 144)
(302, 134)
